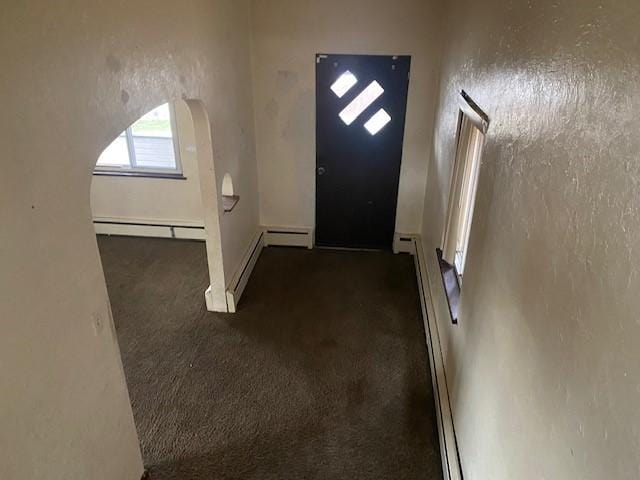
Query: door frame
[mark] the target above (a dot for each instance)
(396, 240)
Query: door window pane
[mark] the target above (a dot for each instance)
(344, 83)
(378, 121)
(361, 102)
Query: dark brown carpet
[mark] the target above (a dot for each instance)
(323, 374)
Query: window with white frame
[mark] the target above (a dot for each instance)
(149, 146)
(472, 126)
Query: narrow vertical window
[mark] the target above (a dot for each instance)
(472, 127)
(462, 194)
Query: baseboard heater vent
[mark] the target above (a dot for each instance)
(149, 229)
(404, 243)
(288, 236)
(451, 464)
(241, 278)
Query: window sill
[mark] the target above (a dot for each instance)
(229, 202)
(164, 176)
(451, 286)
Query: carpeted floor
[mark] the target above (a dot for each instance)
(323, 374)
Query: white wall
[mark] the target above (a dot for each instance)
(287, 36)
(155, 200)
(74, 75)
(544, 366)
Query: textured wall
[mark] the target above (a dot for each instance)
(72, 76)
(544, 368)
(152, 199)
(287, 36)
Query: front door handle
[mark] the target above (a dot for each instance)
(321, 171)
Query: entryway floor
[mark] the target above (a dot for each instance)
(323, 373)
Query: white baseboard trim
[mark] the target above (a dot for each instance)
(132, 227)
(209, 300)
(448, 444)
(404, 243)
(288, 236)
(214, 305)
(241, 277)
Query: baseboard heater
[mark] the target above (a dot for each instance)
(403, 243)
(149, 229)
(241, 278)
(288, 236)
(451, 465)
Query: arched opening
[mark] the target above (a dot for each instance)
(156, 214)
(157, 179)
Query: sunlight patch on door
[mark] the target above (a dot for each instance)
(361, 102)
(378, 121)
(344, 83)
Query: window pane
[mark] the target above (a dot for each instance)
(156, 123)
(361, 102)
(147, 145)
(378, 121)
(153, 140)
(469, 187)
(344, 83)
(154, 152)
(116, 154)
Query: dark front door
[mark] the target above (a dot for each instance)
(361, 102)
